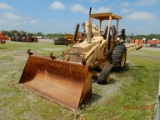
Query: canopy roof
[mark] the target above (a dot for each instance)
(105, 16)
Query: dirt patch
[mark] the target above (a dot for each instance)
(45, 40)
(103, 93)
(108, 90)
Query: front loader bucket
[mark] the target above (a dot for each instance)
(63, 82)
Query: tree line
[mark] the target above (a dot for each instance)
(53, 35)
(50, 35)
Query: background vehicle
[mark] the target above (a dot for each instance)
(70, 39)
(3, 38)
(24, 37)
(147, 42)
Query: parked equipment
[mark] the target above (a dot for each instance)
(67, 80)
(153, 42)
(2, 41)
(70, 39)
(147, 42)
(60, 41)
(24, 37)
(3, 37)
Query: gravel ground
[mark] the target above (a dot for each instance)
(151, 48)
(46, 40)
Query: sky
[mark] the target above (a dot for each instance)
(60, 16)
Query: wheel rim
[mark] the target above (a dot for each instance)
(108, 77)
(123, 59)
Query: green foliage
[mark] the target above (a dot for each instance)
(7, 33)
(39, 34)
(12, 32)
(54, 35)
(50, 35)
(57, 35)
(150, 36)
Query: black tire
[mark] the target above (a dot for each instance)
(66, 43)
(118, 57)
(104, 74)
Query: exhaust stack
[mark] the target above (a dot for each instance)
(89, 27)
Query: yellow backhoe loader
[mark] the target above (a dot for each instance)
(68, 81)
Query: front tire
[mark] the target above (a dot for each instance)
(104, 74)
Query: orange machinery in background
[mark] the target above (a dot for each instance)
(3, 38)
(149, 42)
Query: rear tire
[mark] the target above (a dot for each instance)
(118, 57)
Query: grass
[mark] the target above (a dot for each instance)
(147, 52)
(135, 99)
(43, 48)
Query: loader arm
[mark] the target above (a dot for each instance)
(132, 47)
(96, 54)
